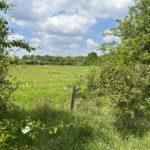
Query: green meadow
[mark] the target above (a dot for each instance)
(44, 93)
(50, 83)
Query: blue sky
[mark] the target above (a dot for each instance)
(66, 27)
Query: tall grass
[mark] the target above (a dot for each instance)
(44, 94)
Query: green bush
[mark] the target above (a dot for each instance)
(124, 76)
(128, 88)
(129, 91)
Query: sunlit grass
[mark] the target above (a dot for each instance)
(44, 93)
(52, 83)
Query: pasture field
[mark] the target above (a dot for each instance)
(44, 93)
(51, 83)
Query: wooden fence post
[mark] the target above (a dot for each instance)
(73, 97)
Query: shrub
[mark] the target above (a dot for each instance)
(128, 88)
(125, 74)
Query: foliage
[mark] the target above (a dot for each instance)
(22, 134)
(124, 76)
(128, 89)
(5, 47)
(91, 59)
(127, 81)
(134, 33)
(14, 133)
(8, 127)
(47, 98)
(119, 91)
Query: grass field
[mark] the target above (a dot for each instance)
(51, 83)
(44, 93)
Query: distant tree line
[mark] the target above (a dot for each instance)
(90, 59)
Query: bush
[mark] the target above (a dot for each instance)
(125, 74)
(128, 88)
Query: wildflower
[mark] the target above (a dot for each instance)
(26, 129)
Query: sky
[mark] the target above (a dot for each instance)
(65, 27)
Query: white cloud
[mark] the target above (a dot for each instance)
(109, 37)
(91, 44)
(94, 8)
(61, 25)
(73, 46)
(57, 40)
(35, 42)
(67, 24)
(15, 37)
